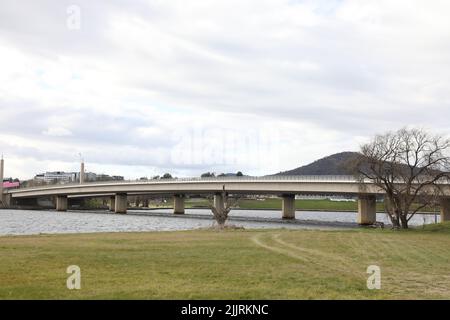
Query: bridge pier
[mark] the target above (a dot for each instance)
(445, 209)
(120, 203)
(5, 200)
(8, 200)
(61, 203)
(112, 203)
(288, 206)
(219, 201)
(367, 209)
(178, 204)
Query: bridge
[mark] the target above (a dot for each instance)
(286, 187)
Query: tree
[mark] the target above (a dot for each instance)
(222, 209)
(137, 201)
(409, 165)
(166, 176)
(208, 175)
(239, 174)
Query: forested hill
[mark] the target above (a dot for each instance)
(336, 164)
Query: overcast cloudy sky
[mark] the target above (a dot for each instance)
(140, 88)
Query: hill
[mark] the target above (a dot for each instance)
(336, 164)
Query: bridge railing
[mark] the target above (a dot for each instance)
(303, 178)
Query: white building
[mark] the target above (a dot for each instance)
(88, 176)
(56, 176)
(67, 177)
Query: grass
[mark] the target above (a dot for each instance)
(239, 264)
(275, 204)
(323, 205)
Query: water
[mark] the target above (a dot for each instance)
(21, 222)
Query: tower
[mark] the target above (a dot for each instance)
(82, 172)
(2, 163)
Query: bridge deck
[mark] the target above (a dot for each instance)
(258, 185)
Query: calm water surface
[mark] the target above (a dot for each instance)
(16, 222)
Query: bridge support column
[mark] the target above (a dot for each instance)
(445, 209)
(6, 200)
(112, 203)
(288, 206)
(61, 203)
(121, 203)
(219, 201)
(367, 209)
(178, 204)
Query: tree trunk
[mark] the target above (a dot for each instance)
(395, 223)
(404, 221)
(395, 219)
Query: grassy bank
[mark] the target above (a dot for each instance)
(269, 264)
(275, 204)
(324, 205)
(252, 204)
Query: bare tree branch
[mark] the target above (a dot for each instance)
(407, 165)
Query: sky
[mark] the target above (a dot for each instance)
(140, 88)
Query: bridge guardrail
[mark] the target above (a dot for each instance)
(303, 178)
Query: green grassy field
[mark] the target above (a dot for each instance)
(239, 264)
(275, 204)
(325, 205)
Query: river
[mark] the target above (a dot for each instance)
(23, 222)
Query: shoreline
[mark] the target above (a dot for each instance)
(202, 208)
(270, 209)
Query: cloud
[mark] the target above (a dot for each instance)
(57, 132)
(152, 86)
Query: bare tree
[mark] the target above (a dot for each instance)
(409, 165)
(222, 209)
(137, 201)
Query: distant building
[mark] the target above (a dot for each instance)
(105, 177)
(67, 177)
(9, 183)
(88, 176)
(56, 176)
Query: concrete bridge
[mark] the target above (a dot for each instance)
(285, 187)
